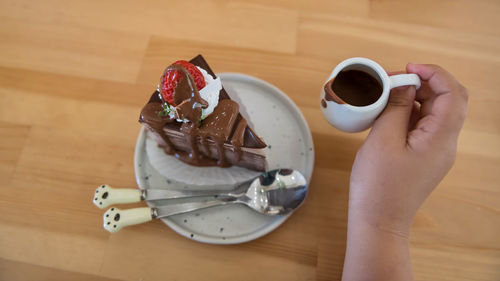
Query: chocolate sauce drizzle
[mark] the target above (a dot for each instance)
(187, 100)
(151, 117)
(239, 137)
(217, 128)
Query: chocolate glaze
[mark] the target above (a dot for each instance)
(329, 94)
(150, 117)
(224, 126)
(251, 139)
(187, 100)
(216, 127)
(239, 137)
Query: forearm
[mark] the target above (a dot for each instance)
(374, 252)
(410, 148)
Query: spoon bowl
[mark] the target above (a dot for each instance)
(277, 192)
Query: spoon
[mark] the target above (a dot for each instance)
(278, 192)
(106, 196)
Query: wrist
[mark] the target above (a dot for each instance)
(376, 251)
(380, 227)
(380, 219)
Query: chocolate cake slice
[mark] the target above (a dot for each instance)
(223, 138)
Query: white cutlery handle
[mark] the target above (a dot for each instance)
(105, 196)
(116, 219)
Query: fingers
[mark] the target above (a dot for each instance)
(439, 80)
(393, 123)
(441, 95)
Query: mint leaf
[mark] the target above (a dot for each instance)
(166, 110)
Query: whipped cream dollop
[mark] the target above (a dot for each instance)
(210, 93)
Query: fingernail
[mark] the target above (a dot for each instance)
(411, 65)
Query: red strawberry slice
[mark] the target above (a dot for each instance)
(171, 77)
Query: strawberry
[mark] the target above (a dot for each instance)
(171, 77)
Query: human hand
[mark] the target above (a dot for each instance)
(408, 152)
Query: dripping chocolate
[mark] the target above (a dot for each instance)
(222, 139)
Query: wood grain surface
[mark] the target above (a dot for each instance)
(75, 74)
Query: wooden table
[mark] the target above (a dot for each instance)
(75, 74)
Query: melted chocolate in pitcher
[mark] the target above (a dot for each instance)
(354, 87)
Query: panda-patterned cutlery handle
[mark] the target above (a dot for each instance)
(106, 196)
(116, 219)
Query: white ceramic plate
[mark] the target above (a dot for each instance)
(280, 123)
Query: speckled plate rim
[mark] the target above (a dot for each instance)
(273, 224)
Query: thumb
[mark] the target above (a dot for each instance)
(392, 124)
